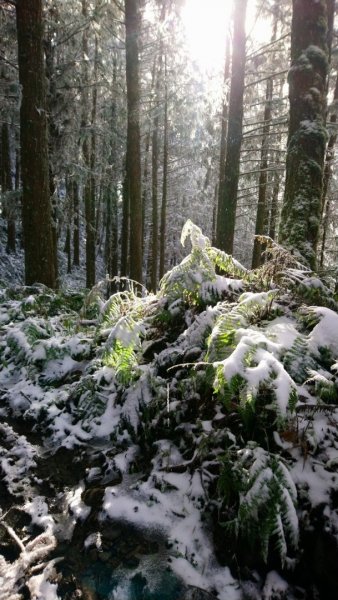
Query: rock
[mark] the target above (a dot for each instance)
(93, 497)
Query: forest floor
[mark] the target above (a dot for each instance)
(178, 446)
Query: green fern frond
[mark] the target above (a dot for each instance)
(123, 359)
(226, 263)
(195, 279)
(267, 497)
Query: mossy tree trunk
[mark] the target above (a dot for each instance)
(36, 206)
(227, 212)
(330, 152)
(301, 213)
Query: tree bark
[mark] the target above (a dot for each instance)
(261, 215)
(223, 145)
(125, 226)
(6, 186)
(53, 134)
(154, 186)
(165, 175)
(227, 213)
(37, 229)
(76, 223)
(87, 159)
(307, 136)
(132, 21)
(325, 204)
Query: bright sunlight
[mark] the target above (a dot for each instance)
(205, 24)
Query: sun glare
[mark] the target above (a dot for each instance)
(206, 23)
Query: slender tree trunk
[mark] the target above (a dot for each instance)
(68, 210)
(307, 136)
(17, 180)
(223, 145)
(227, 212)
(111, 242)
(37, 228)
(261, 215)
(165, 175)
(6, 186)
(145, 195)
(132, 20)
(125, 227)
(274, 202)
(53, 135)
(154, 187)
(76, 234)
(145, 189)
(68, 249)
(87, 159)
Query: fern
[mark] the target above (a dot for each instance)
(266, 500)
(325, 388)
(86, 400)
(195, 279)
(119, 305)
(298, 361)
(123, 359)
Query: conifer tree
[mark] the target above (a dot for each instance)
(132, 20)
(37, 230)
(227, 210)
(307, 136)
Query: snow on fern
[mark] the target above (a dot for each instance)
(325, 333)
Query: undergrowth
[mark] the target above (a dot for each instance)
(216, 361)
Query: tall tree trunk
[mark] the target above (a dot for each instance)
(111, 241)
(76, 223)
(132, 20)
(125, 226)
(165, 174)
(301, 211)
(37, 228)
(227, 212)
(87, 159)
(53, 135)
(223, 145)
(145, 195)
(261, 215)
(68, 210)
(274, 202)
(325, 204)
(92, 208)
(154, 187)
(6, 186)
